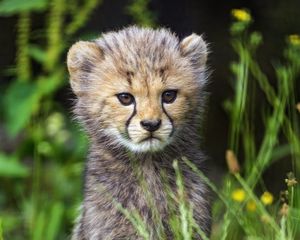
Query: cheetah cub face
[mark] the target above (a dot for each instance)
(137, 87)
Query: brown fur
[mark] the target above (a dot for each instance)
(143, 62)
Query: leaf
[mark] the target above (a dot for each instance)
(54, 221)
(39, 226)
(10, 221)
(1, 231)
(49, 84)
(281, 152)
(37, 53)
(22, 99)
(10, 167)
(20, 102)
(10, 7)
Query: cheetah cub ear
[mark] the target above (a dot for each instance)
(82, 58)
(194, 48)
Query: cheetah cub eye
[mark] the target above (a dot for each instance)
(169, 96)
(125, 99)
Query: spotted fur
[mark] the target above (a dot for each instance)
(145, 63)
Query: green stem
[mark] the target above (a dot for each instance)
(55, 33)
(272, 99)
(81, 16)
(23, 65)
(239, 105)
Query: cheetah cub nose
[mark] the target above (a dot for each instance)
(150, 125)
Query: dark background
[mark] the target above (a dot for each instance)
(275, 19)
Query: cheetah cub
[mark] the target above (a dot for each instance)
(140, 94)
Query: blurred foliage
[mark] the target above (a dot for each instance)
(41, 178)
(11, 7)
(245, 214)
(40, 188)
(139, 10)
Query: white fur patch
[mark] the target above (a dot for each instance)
(150, 145)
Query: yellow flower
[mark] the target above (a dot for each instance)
(294, 39)
(267, 198)
(251, 206)
(241, 15)
(238, 195)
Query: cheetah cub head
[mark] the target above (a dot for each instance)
(138, 87)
